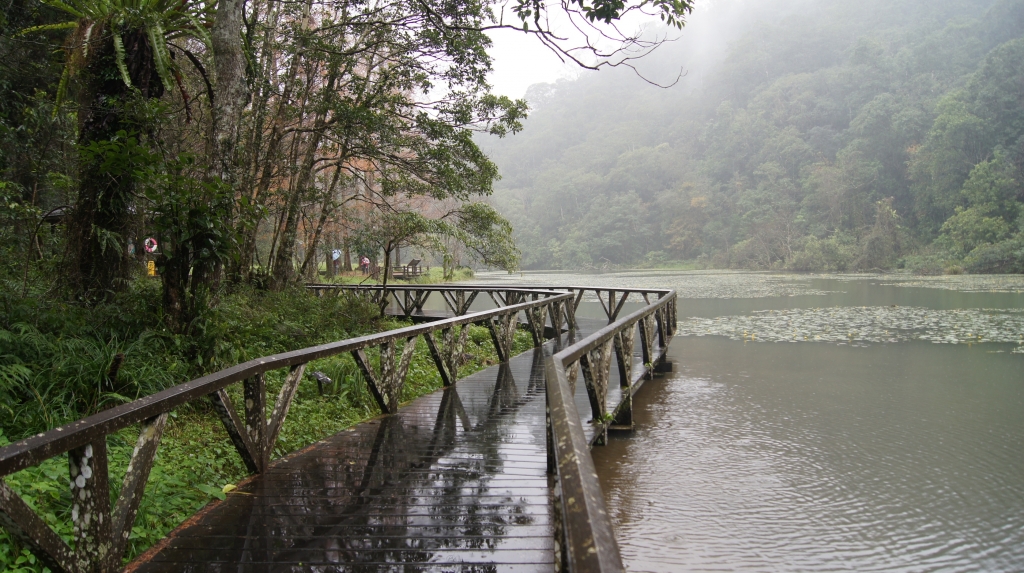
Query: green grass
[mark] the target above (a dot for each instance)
(63, 361)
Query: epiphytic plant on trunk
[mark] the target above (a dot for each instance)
(118, 51)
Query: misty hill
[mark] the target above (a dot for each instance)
(813, 135)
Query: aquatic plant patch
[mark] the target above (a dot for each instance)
(961, 283)
(965, 283)
(867, 324)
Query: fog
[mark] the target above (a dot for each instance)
(801, 134)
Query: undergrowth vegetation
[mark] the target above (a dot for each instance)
(60, 362)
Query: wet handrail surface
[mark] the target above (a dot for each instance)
(587, 536)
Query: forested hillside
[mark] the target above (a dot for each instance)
(827, 135)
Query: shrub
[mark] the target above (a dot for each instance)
(1002, 257)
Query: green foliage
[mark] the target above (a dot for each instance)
(972, 227)
(672, 12)
(1002, 257)
(159, 21)
(836, 253)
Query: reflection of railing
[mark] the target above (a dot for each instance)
(586, 539)
(101, 532)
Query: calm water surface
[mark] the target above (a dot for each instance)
(813, 456)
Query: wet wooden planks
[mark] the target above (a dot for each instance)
(456, 481)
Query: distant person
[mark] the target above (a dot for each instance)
(364, 264)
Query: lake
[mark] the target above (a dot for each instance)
(824, 423)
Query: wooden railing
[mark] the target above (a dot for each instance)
(586, 541)
(101, 532)
(457, 297)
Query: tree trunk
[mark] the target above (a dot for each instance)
(231, 92)
(284, 269)
(101, 223)
(383, 302)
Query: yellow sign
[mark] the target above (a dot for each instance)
(151, 268)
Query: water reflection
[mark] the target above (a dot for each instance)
(457, 477)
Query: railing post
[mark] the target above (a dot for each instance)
(236, 430)
(503, 330)
(647, 344)
(90, 507)
(256, 418)
(596, 366)
(386, 387)
(536, 319)
(555, 311)
(624, 341)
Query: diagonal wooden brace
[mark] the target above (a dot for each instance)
(596, 366)
(24, 525)
(386, 387)
(283, 404)
(503, 331)
(236, 431)
(134, 484)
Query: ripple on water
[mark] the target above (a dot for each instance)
(727, 474)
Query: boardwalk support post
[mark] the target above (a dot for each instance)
(624, 341)
(596, 366)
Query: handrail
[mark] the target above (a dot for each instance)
(101, 532)
(587, 540)
(454, 295)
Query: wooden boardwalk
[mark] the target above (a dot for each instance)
(455, 481)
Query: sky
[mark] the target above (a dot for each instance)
(521, 61)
